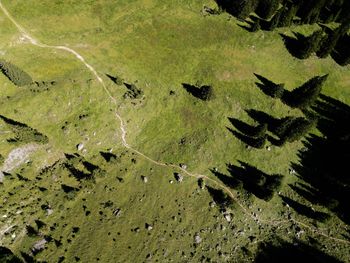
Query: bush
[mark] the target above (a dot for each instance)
(15, 74)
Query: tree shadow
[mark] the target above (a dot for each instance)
(341, 52)
(323, 162)
(203, 92)
(220, 198)
(252, 180)
(305, 210)
(270, 88)
(277, 251)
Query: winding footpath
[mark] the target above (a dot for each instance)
(123, 130)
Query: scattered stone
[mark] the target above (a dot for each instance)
(268, 148)
(49, 211)
(201, 183)
(144, 179)
(197, 238)
(137, 229)
(183, 166)
(117, 212)
(228, 217)
(171, 181)
(80, 146)
(178, 177)
(39, 245)
(148, 226)
(212, 204)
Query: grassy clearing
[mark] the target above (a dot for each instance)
(157, 46)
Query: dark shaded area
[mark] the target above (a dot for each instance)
(16, 75)
(24, 133)
(269, 87)
(108, 156)
(323, 163)
(117, 80)
(6, 256)
(250, 179)
(258, 143)
(220, 198)
(68, 189)
(341, 52)
(204, 93)
(278, 251)
(133, 92)
(305, 210)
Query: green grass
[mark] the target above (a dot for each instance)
(157, 45)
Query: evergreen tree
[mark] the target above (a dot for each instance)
(256, 26)
(298, 128)
(16, 75)
(288, 13)
(238, 8)
(328, 43)
(266, 8)
(275, 20)
(310, 44)
(341, 53)
(305, 95)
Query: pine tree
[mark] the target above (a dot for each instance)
(266, 8)
(298, 128)
(16, 75)
(275, 20)
(288, 13)
(239, 8)
(305, 95)
(328, 43)
(256, 26)
(311, 44)
(341, 53)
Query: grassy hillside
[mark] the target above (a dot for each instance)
(156, 45)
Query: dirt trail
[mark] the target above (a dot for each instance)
(123, 131)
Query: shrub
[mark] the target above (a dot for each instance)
(16, 75)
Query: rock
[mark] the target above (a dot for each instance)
(49, 211)
(183, 166)
(117, 212)
(144, 179)
(268, 148)
(212, 204)
(137, 229)
(171, 181)
(39, 245)
(228, 217)
(197, 238)
(201, 183)
(148, 226)
(80, 146)
(178, 177)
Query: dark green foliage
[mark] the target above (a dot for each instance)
(260, 130)
(238, 8)
(288, 13)
(302, 46)
(275, 20)
(256, 26)
(341, 53)
(267, 8)
(24, 133)
(328, 43)
(292, 129)
(15, 74)
(305, 95)
(133, 92)
(6, 256)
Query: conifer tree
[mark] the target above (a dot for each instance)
(310, 44)
(328, 43)
(341, 53)
(288, 13)
(305, 95)
(275, 20)
(267, 8)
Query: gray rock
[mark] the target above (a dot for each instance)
(117, 212)
(144, 179)
(39, 245)
(179, 177)
(197, 238)
(80, 146)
